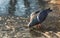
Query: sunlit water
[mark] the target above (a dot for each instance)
(20, 8)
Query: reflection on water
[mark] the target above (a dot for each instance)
(20, 7)
(22, 10)
(4, 6)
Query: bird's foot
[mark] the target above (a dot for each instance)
(38, 26)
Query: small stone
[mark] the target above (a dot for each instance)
(58, 33)
(23, 20)
(17, 18)
(59, 21)
(7, 27)
(8, 19)
(0, 18)
(12, 17)
(5, 23)
(46, 32)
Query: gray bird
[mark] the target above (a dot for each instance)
(38, 19)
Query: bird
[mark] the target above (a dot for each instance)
(38, 17)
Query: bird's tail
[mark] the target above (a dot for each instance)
(49, 10)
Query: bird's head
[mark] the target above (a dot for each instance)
(33, 19)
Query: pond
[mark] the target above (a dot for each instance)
(20, 7)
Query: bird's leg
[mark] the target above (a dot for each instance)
(38, 26)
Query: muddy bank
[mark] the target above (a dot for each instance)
(14, 27)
